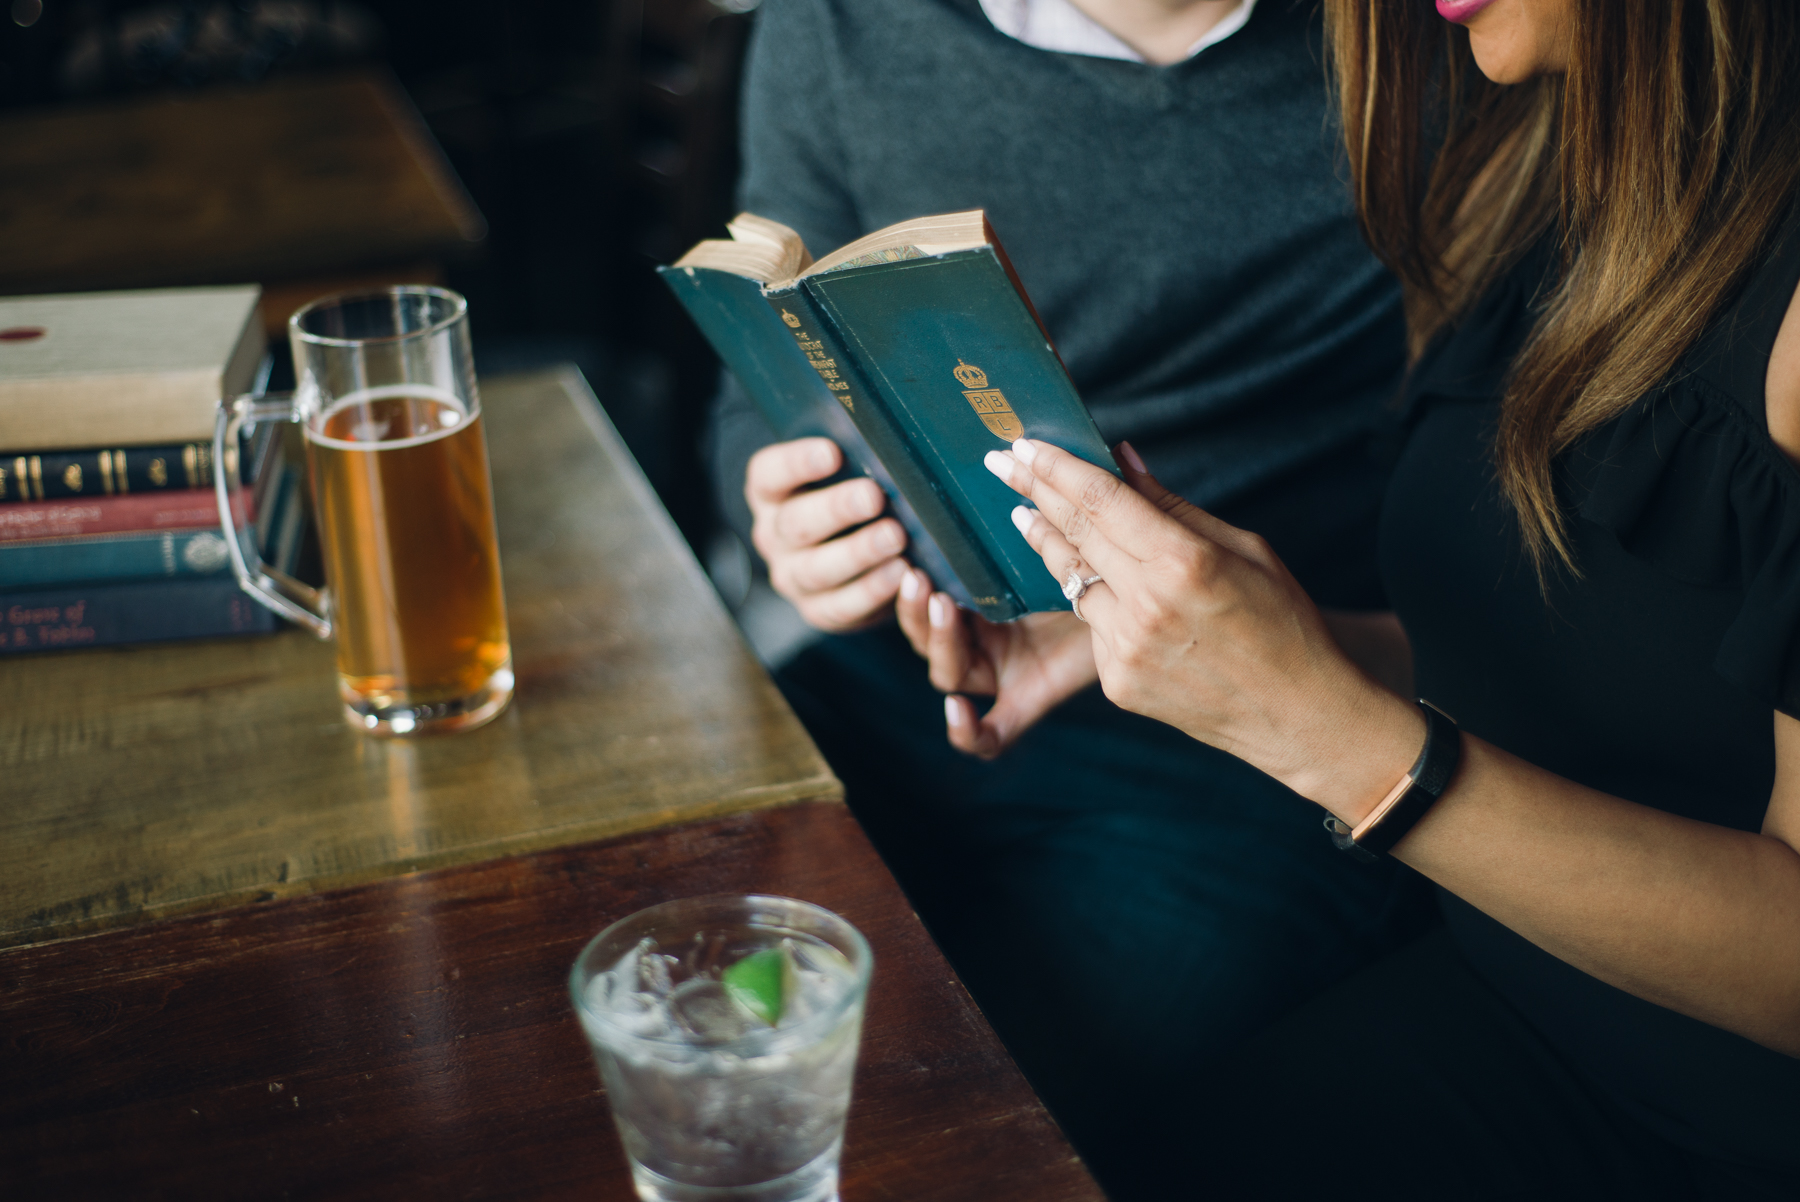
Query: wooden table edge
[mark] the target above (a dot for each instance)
(825, 789)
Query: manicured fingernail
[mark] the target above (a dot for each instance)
(1132, 459)
(890, 538)
(1021, 517)
(1024, 451)
(1000, 465)
(894, 570)
(820, 458)
(939, 610)
(952, 711)
(909, 586)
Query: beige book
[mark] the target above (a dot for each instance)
(772, 254)
(116, 368)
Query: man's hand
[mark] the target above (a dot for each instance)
(838, 582)
(1029, 666)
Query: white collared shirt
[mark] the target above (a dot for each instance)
(1059, 25)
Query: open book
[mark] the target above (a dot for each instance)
(917, 351)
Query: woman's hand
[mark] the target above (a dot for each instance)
(1029, 666)
(1197, 623)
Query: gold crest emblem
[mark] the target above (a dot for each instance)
(968, 375)
(989, 403)
(793, 322)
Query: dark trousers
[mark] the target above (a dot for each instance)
(1412, 1081)
(1124, 903)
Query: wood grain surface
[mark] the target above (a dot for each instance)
(159, 779)
(414, 1038)
(292, 178)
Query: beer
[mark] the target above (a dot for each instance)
(385, 391)
(400, 478)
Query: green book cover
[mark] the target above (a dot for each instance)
(955, 352)
(924, 329)
(974, 578)
(762, 353)
(139, 555)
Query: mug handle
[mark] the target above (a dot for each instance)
(299, 603)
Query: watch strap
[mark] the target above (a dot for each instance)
(1409, 800)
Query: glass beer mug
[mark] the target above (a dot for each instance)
(386, 397)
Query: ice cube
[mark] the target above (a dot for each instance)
(821, 976)
(633, 993)
(703, 1009)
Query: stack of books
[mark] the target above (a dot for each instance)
(109, 523)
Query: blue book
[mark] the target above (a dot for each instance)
(918, 351)
(101, 615)
(93, 558)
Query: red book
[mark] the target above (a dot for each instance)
(176, 510)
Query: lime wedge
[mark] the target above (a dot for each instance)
(757, 983)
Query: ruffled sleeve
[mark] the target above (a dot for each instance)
(1688, 480)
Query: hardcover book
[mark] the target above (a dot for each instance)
(109, 472)
(138, 555)
(110, 369)
(190, 507)
(917, 350)
(102, 615)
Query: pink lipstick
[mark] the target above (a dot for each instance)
(1460, 10)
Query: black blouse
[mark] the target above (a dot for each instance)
(1651, 676)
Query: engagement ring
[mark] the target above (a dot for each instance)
(1075, 588)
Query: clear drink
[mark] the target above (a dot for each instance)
(712, 1103)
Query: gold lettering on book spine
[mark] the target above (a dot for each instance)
(814, 350)
(989, 403)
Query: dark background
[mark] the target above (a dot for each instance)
(596, 138)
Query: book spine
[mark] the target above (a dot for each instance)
(108, 557)
(185, 509)
(824, 347)
(108, 614)
(49, 475)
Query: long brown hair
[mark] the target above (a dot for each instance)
(1662, 161)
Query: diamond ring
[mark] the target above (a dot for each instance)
(1075, 588)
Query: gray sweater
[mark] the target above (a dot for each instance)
(1183, 230)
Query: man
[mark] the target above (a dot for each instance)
(1122, 901)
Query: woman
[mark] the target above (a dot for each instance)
(1593, 545)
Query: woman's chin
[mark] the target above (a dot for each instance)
(1460, 10)
(1500, 60)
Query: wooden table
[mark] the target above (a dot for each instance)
(305, 184)
(365, 993)
(180, 777)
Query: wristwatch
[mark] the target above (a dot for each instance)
(1406, 803)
